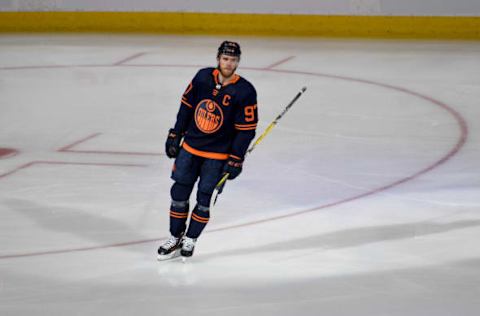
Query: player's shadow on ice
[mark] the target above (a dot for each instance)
(355, 237)
(100, 230)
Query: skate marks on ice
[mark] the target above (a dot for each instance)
(353, 237)
(57, 220)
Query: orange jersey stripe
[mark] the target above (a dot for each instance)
(254, 126)
(186, 103)
(245, 125)
(204, 154)
(233, 81)
(190, 86)
(215, 75)
(245, 128)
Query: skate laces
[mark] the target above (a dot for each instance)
(171, 242)
(188, 244)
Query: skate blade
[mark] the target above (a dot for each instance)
(173, 255)
(186, 259)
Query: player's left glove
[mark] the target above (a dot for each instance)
(233, 167)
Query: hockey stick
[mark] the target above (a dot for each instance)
(221, 183)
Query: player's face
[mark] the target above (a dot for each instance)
(227, 65)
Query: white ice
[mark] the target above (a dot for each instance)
(363, 200)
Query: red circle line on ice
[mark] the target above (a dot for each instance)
(462, 138)
(7, 152)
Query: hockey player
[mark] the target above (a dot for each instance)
(217, 120)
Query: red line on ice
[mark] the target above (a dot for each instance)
(121, 62)
(69, 149)
(78, 142)
(32, 163)
(278, 63)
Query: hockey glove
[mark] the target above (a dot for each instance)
(233, 167)
(172, 145)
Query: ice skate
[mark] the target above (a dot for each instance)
(170, 249)
(188, 246)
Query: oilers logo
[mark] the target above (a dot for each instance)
(208, 116)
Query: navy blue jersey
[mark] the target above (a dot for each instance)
(217, 120)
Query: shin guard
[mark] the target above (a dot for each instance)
(178, 217)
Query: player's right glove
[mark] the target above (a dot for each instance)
(172, 145)
(233, 167)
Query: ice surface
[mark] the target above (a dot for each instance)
(364, 200)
